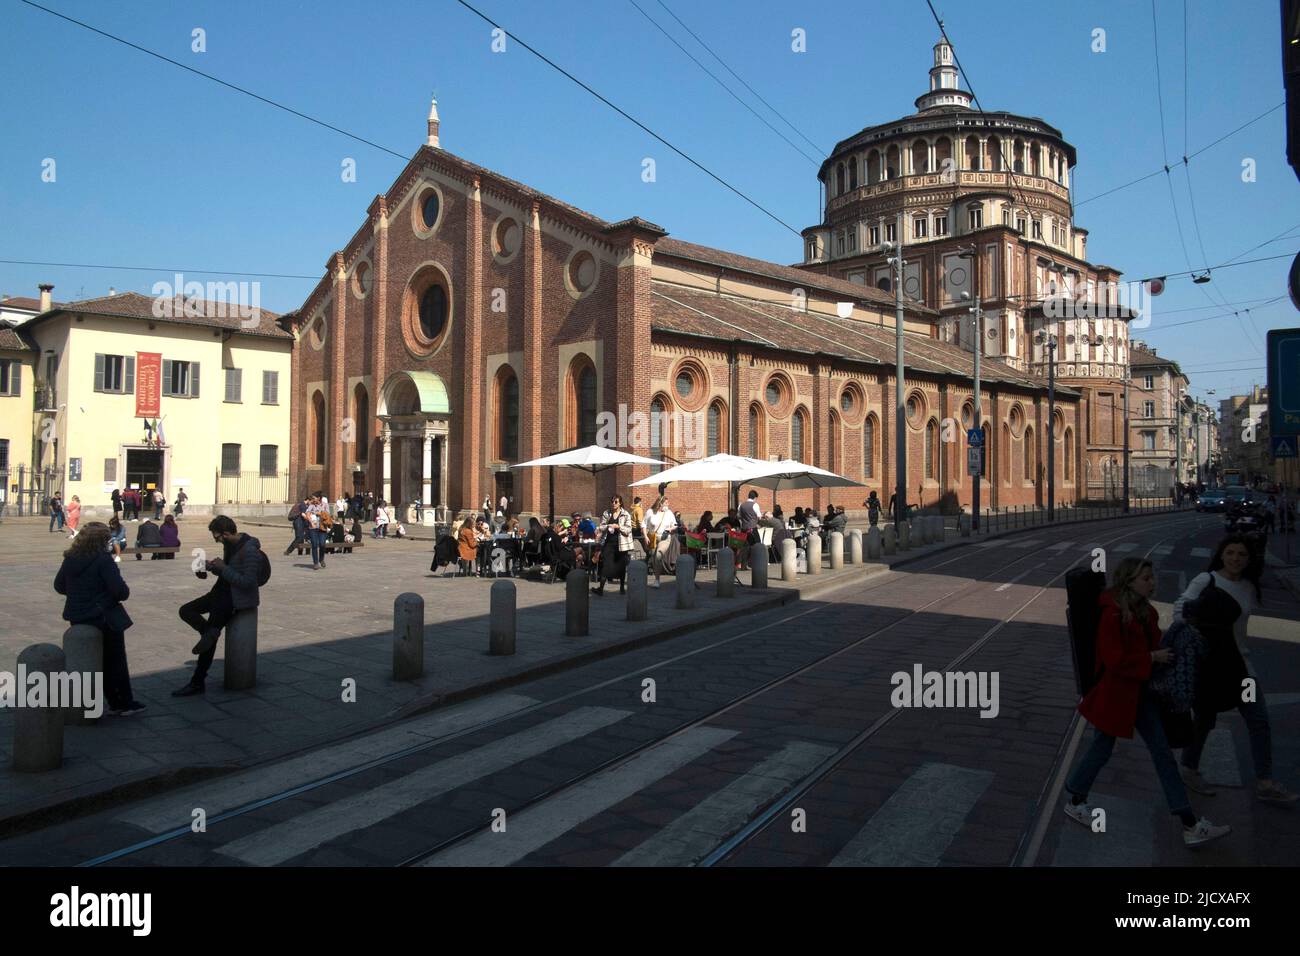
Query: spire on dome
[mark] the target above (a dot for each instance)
(945, 82)
(433, 123)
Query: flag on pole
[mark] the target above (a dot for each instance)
(159, 432)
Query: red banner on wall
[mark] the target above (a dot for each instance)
(148, 384)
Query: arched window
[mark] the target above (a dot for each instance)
(1030, 449)
(972, 153)
(942, 153)
(508, 416)
(361, 416)
(1005, 455)
(317, 429)
(1067, 454)
(853, 173)
(757, 442)
(833, 458)
(996, 161)
(869, 447)
(582, 402)
(988, 451)
(839, 180)
(1018, 156)
(796, 435)
(921, 157)
(931, 449)
(873, 167)
(658, 427)
(892, 162)
(717, 428)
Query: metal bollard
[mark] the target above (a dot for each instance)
(789, 560)
(637, 595)
(814, 553)
(758, 567)
(408, 637)
(888, 541)
(38, 731)
(577, 604)
(963, 525)
(726, 573)
(904, 536)
(855, 546)
(241, 649)
(83, 653)
(501, 618)
(685, 582)
(837, 551)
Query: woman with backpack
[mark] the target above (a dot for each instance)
(1218, 603)
(1120, 702)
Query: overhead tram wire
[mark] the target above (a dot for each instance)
(718, 80)
(759, 96)
(631, 119)
(405, 157)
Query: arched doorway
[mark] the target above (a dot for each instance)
(416, 416)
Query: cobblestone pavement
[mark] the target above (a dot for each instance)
(664, 754)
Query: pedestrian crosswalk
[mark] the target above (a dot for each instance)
(1124, 547)
(1031, 543)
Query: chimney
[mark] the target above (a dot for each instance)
(112, 291)
(46, 301)
(433, 124)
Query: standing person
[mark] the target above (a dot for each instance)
(56, 512)
(660, 531)
(315, 524)
(236, 589)
(358, 507)
(1128, 646)
(370, 506)
(73, 515)
(615, 551)
(1219, 603)
(296, 517)
(117, 504)
(750, 513)
(381, 520)
(503, 508)
(179, 508)
(94, 588)
(159, 503)
(872, 505)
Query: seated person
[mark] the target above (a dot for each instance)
(799, 520)
(170, 533)
(732, 520)
(147, 536)
(337, 532)
(773, 519)
(837, 521)
(587, 526)
(706, 523)
(116, 538)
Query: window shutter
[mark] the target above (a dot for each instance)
(99, 372)
(239, 384)
(128, 384)
(167, 377)
(266, 388)
(15, 378)
(194, 380)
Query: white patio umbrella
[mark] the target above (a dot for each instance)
(723, 467)
(592, 458)
(794, 475)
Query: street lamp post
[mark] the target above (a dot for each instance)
(1051, 427)
(978, 319)
(900, 408)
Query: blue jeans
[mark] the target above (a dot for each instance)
(1255, 713)
(317, 539)
(56, 517)
(1152, 732)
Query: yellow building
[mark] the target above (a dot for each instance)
(17, 365)
(137, 391)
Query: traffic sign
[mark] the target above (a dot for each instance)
(1284, 446)
(975, 437)
(975, 460)
(1284, 382)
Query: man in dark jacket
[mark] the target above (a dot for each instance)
(236, 589)
(148, 536)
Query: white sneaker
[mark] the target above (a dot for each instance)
(1204, 832)
(1079, 813)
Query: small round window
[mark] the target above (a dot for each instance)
(685, 384)
(433, 311)
(846, 402)
(505, 238)
(913, 409)
(430, 206)
(362, 280)
(773, 394)
(582, 272)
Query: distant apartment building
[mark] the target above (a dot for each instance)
(1158, 421)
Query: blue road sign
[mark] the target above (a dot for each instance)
(1284, 446)
(1284, 382)
(975, 437)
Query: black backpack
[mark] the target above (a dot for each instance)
(263, 568)
(1083, 589)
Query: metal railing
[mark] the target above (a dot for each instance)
(252, 488)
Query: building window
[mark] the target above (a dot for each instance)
(657, 424)
(715, 429)
(941, 226)
(988, 450)
(853, 239)
(317, 456)
(755, 423)
(361, 418)
(839, 244)
(891, 232)
(931, 448)
(1148, 409)
(1067, 454)
(1149, 382)
(582, 396)
(430, 208)
(1056, 233)
(1020, 225)
(270, 388)
(10, 377)
(180, 379)
(229, 460)
(1038, 229)
(869, 447)
(268, 460)
(234, 384)
(433, 311)
(975, 217)
(875, 235)
(796, 436)
(918, 227)
(1006, 216)
(1148, 441)
(4, 456)
(508, 424)
(116, 373)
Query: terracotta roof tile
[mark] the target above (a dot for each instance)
(12, 341)
(210, 314)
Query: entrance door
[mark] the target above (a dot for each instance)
(144, 469)
(504, 485)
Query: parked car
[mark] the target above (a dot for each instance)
(1212, 499)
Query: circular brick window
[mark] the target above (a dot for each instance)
(426, 311)
(581, 273)
(317, 332)
(362, 280)
(506, 238)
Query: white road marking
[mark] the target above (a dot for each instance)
(1061, 546)
(918, 822)
(1129, 838)
(1032, 542)
(283, 841)
(168, 812)
(1219, 759)
(692, 835)
(1126, 546)
(1163, 551)
(539, 825)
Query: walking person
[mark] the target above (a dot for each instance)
(661, 538)
(159, 503)
(872, 504)
(381, 520)
(299, 525)
(95, 590)
(1128, 647)
(56, 512)
(117, 504)
(314, 518)
(1219, 603)
(616, 549)
(73, 515)
(181, 498)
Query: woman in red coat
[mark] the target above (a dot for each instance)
(1128, 645)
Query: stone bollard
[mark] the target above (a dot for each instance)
(789, 560)
(637, 575)
(685, 582)
(726, 573)
(408, 637)
(758, 567)
(501, 618)
(814, 553)
(874, 546)
(963, 524)
(855, 545)
(938, 529)
(38, 731)
(577, 604)
(83, 653)
(904, 536)
(837, 550)
(888, 541)
(241, 648)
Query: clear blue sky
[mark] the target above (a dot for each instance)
(158, 167)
